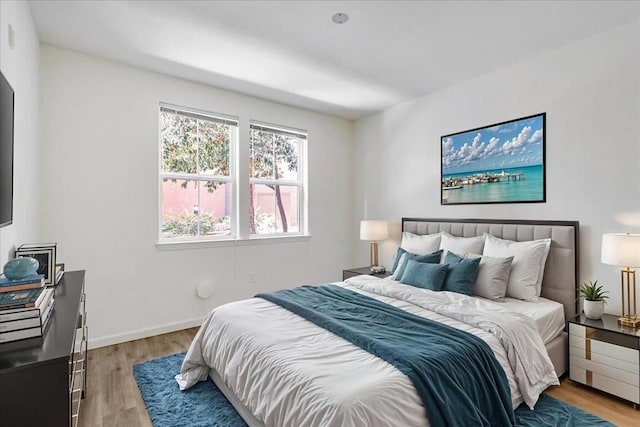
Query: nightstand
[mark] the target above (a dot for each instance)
(605, 356)
(360, 271)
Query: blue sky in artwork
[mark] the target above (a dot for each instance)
(510, 145)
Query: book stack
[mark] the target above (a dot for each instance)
(30, 282)
(25, 308)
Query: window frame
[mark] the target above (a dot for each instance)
(300, 183)
(239, 151)
(231, 178)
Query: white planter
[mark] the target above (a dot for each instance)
(593, 309)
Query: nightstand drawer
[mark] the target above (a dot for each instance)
(612, 351)
(577, 330)
(604, 383)
(610, 371)
(604, 359)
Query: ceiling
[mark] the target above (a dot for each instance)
(291, 52)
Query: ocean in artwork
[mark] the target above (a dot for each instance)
(519, 184)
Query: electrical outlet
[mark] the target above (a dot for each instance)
(252, 277)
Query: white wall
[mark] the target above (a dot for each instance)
(100, 197)
(21, 67)
(591, 93)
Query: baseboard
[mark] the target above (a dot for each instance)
(142, 333)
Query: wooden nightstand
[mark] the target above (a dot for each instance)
(360, 271)
(605, 356)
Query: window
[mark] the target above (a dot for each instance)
(196, 175)
(276, 184)
(201, 181)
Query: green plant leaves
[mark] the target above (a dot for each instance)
(593, 292)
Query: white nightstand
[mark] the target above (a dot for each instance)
(605, 356)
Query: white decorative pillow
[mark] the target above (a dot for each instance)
(527, 268)
(461, 245)
(493, 276)
(420, 245)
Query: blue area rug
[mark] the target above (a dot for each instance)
(205, 406)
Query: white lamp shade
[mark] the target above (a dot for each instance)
(374, 230)
(621, 249)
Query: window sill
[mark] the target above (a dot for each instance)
(201, 244)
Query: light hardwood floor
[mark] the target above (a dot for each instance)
(113, 398)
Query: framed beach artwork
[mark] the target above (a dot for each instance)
(500, 163)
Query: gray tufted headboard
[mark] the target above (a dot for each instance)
(560, 280)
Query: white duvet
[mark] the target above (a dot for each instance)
(289, 372)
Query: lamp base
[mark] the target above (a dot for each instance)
(629, 321)
(374, 254)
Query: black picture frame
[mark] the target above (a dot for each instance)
(46, 256)
(492, 163)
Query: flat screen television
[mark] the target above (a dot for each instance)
(6, 151)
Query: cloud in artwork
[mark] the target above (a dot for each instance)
(466, 151)
(447, 151)
(511, 146)
(537, 136)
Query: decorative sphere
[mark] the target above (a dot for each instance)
(19, 268)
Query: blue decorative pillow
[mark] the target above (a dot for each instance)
(461, 275)
(397, 260)
(452, 258)
(424, 275)
(433, 258)
(396, 272)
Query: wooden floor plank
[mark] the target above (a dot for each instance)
(113, 397)
(90, 408)
(116, 380)
(618, 411)
(128, 417)
(136, 351)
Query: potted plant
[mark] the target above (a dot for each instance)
(594, 299)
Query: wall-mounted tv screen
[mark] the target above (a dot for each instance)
(6, 152)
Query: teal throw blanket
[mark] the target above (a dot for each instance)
(455, 373)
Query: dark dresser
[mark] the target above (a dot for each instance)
(42, 380)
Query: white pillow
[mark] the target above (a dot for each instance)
(461, 245)
(420, 245)
(527, 268)
(493, 276)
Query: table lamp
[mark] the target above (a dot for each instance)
(624, 250)
(374, 231)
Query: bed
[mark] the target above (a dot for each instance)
(279, 369)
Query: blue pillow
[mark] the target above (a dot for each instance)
(462, 274)
(433, 258)
(424, 275)
(398, 255)
(452, 258)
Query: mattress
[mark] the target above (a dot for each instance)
(548, 315)
(287, 371)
